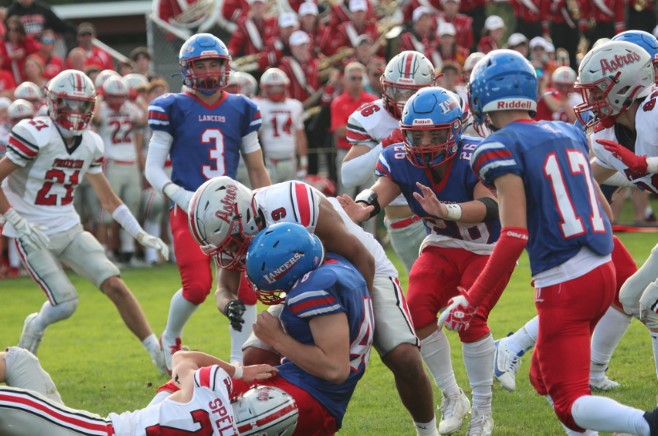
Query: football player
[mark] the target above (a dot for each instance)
(203, 130)
(431, 169)
(46, 159)
(549, 203)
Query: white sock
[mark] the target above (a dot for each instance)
(13, 257)
(238, 338)
(605, 414)
(153, 228)
(577, 433)
(479, 359)
(152, 345)
(654, 346)
(607, 334)
(427, 428)
(50, 314)
(435, 350)
(180, 311)
(524, 338)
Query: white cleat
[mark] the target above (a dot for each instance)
(481, 424)
(168, 350)
(31, 337)
(158, 360)
(453, 411)
(506, 364)
(604, 384)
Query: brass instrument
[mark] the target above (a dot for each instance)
(246, 63)
(329, 61)
(386, 8)
(640, 5)
(574, 8)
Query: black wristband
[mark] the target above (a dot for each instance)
(369, 197)
(491, 208)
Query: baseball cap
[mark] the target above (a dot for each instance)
(516, 39)
(419, 12)
(288, 19)
(308, 8)
(4, 103)
(538, 42)
(446, 29)
(299, 37)
(493, 22)
(448, 1)
(86, 27)
(358, 5)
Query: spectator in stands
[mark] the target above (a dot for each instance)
(556, 103)
(641, 15)
(53, 64)
(449, 50)
(463, 23)
(15, 47)
(279, 46)
(341, 13)
(7, 84)
(302, 70)
(492, 34)
(449, 75)
(422, 36)
(254, 35)
(518, 42)
(530, 15)
(363, 51)
(607, 17)
(37, 16)
(375, 69)
(342, 107)
(141, 57)
(349, 31)
(34, 70)
(564, 29)
(433, 7)
(94, 55)
(539, 56)
(310, 23)
(126, 67)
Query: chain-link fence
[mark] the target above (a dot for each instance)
(165, 41)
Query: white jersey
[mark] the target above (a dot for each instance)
(297, 202)
(209, 412)
(368, 125)
(646, 144)
(42, 189)
(117, 129)
(281, 121)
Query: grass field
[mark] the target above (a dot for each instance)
(99, 366)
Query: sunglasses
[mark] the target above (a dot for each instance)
(85, 34)
(48, 40)
(355, 78)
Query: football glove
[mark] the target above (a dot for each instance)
(150, 241)
(637, 165)
(29, 234)
(234, 311)
(459, 313)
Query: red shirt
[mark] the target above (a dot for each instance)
(487, 44)
(7, 81)
(99, 58)
(17, 67)
(311, 77)
(244, 43)
(341, 108)
(530, 15)
(463, 26)
(53, 67)
(613, 12)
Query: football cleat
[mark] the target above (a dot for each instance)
(31, 337)
(604, 384)
(453, 411)
(652, 420)
(158, 359)
(506, 364)
(481, 424)
(168, 349)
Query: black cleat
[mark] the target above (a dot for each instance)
(652, 420)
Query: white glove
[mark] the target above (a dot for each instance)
(150, 241)
(29, 234)
(178, 195)
(649, 303)
(301, 173)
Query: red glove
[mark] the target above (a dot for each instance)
(459, 313)
(395, 137)
(636, 164)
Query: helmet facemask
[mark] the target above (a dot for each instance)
(596, 101)
(72, 114)
(206, 79)
(431, 146)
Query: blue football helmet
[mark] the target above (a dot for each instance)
(280, 255)
(645, 40)
(438, 112)
(502, 80)
(204, 46)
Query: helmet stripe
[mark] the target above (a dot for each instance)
(408, 63)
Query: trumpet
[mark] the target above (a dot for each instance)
(246, 63)
(640, 5)
(329, 61)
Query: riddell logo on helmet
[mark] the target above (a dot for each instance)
(518, 104)
(611, 65)
(228, 206)
(283, 269)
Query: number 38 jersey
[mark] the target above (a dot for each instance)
(563, 209)
(208, 413)
(42, 189)
(207, 140)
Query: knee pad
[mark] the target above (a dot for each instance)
(196, 293)
(476, 331)
(61, 311)
(24, 371)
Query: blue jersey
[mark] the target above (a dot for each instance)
(455, 187)
(207, 139)
(563, 209)
(335, 287)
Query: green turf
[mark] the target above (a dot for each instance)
(98, 365)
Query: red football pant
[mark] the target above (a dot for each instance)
(568, 313)
(433, 281)
(624, 267)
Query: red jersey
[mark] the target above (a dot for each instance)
(53, 66)
(341, 108)
(408, 9)
(17, 66)
(234, 10)
(252, 36)
(346, 36)
(487, 44)
(98, 57)
(304, 79)
(559, 13)
(530, 11)
(340, 14)
(467, 6)
(463, 26)
(7, 81)
(605, 11)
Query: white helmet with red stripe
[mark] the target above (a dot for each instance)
(274, 83)
(71, 99)
(265, 410)
(29, 91)
(102, 77)
(223, 219)
(19, 110)
(405, 74)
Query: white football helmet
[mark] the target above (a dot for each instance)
(223, 219)
(610, 78)
(71, 99)
(115, 92)
(471, 61)
(19, 110)
(240, 82)
(273, 84)
(102, 77)
(405, 74)
(564, 76)
(266, 411)
(29, 91)
(135, 82)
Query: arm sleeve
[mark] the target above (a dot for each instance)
(618, 179)
(357, 171)
(159, 147)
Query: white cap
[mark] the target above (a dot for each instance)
(254, 1)
(446, 1)
(288, 19)
(538, 42)
(4, 103)
(419, 12)
(299, 37)
(516, 39)
(308, 8)
(358, 5)
(493, 22)
(446, 29)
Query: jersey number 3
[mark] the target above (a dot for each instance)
(215, 138)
